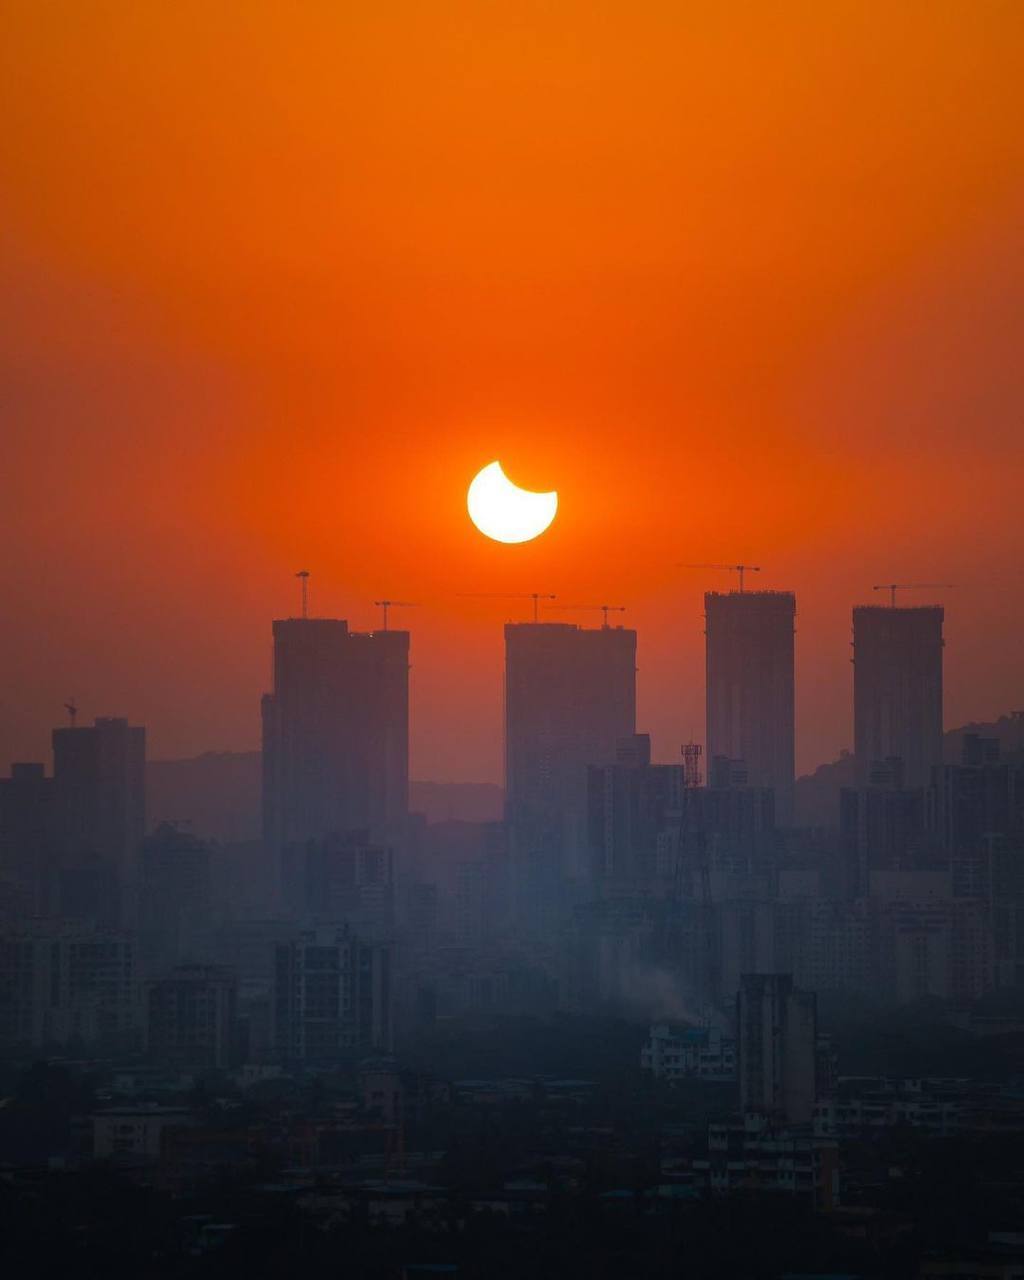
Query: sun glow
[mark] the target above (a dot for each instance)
(503, 511)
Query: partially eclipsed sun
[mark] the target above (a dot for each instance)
(503, 511)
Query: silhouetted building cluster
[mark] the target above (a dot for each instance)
(614, 882)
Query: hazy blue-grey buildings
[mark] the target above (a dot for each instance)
(570, 698)
(777, 1035)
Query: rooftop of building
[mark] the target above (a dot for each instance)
(333, 626)
(550, 627)
(755, 594)
(894, 610)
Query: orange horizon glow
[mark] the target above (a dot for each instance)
(740, 283)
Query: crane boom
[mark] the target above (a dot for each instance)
(535, 596)
(741, 569)
(893, 587)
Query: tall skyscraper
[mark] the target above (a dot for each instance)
(570, 696)
(750, 687)
(336, 733)
(897, 689)
(99, 784)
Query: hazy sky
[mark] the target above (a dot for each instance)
(741, 281)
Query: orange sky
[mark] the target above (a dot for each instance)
(742, 281)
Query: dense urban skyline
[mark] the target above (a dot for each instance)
(511, 701)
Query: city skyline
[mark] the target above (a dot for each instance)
(511, 700)
(666, 731)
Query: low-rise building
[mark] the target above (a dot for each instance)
(332, 995)
(753, 1155)
(675, 1052)
(135, 1131)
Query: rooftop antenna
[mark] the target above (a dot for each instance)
(72, 710)
(741, 569)
(303, 576)
(393, 604)
(893, 587)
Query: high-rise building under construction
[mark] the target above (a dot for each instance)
(897, 690)
(570, 697)
(336, 733)
(750, 688)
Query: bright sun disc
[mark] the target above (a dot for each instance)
(503, 511)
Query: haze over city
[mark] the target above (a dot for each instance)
(511, 699)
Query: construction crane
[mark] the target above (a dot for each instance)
(303, 576)
(393, 604)
(893, 587)
(741, 569)
(535, 596)
(606, 609)
(71, 708)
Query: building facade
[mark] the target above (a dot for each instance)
(175, 899)
(28, 838)
(750, 687)
(630, 803)
(897, 690)
(570, 697)
(333, 995)
(191, 1017)
(336, 733)
(777, 1037)
(99, 787)
(61, 982)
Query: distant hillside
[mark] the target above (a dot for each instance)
(219, 794)
(817, 793)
